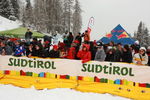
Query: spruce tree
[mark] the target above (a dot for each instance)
(6, 8)
(146, 37)
(142, 35)
(77, 18)
(28, 14)
(15, 5)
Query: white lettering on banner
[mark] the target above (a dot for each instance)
(107, 70)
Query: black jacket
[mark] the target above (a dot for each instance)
(54, 54)
(118, 56)
(28, 35)
(79, 38)
(127, 57)
(109, 57)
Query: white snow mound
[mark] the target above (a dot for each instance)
(6, 24)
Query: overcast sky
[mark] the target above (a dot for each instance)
(110, 13)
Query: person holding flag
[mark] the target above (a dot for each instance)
(86, 34)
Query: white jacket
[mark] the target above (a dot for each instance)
(137, 57)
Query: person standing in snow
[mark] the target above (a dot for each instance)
(141, 58)
(28, 35)
(100, 54)
(84, 54)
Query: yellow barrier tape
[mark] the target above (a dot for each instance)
(86, 85)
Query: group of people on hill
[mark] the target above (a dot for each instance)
(79, 47)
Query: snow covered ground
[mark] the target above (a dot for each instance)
(6, 24)
(8, 92)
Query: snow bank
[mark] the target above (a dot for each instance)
(6, 24)
(8, 92)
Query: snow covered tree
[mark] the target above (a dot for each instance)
(146, 37)
(77, 18)
(41, 15)
(67, 14)
(27, 16)
(6, 8)
(16, 7)
(52, 16)
(142, 35)
(140, 32)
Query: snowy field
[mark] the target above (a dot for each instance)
(8, 92)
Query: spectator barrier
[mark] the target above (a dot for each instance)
(127, 80)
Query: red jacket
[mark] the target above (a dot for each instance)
(71, 53)
(85, 56)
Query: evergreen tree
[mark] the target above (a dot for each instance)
(77, 19)
(15, 5)
(140, 32)
(6, 8)
(142, 35)
(49, 16)
(28, 14)
(67, 14)
(146, 37)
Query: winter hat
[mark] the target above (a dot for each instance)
(99, 44)
(55, 47)
(13, 39)
(87, 46)
(76, 41)
(46, 42)
(127, 47)
(143, 48)
(137, 42)
(19, 41)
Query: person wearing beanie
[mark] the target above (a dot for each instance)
(54, 53)
(100, 54)
(141, 58)
(73, 50)
(84, 54)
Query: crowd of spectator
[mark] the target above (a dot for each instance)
(76, 47)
